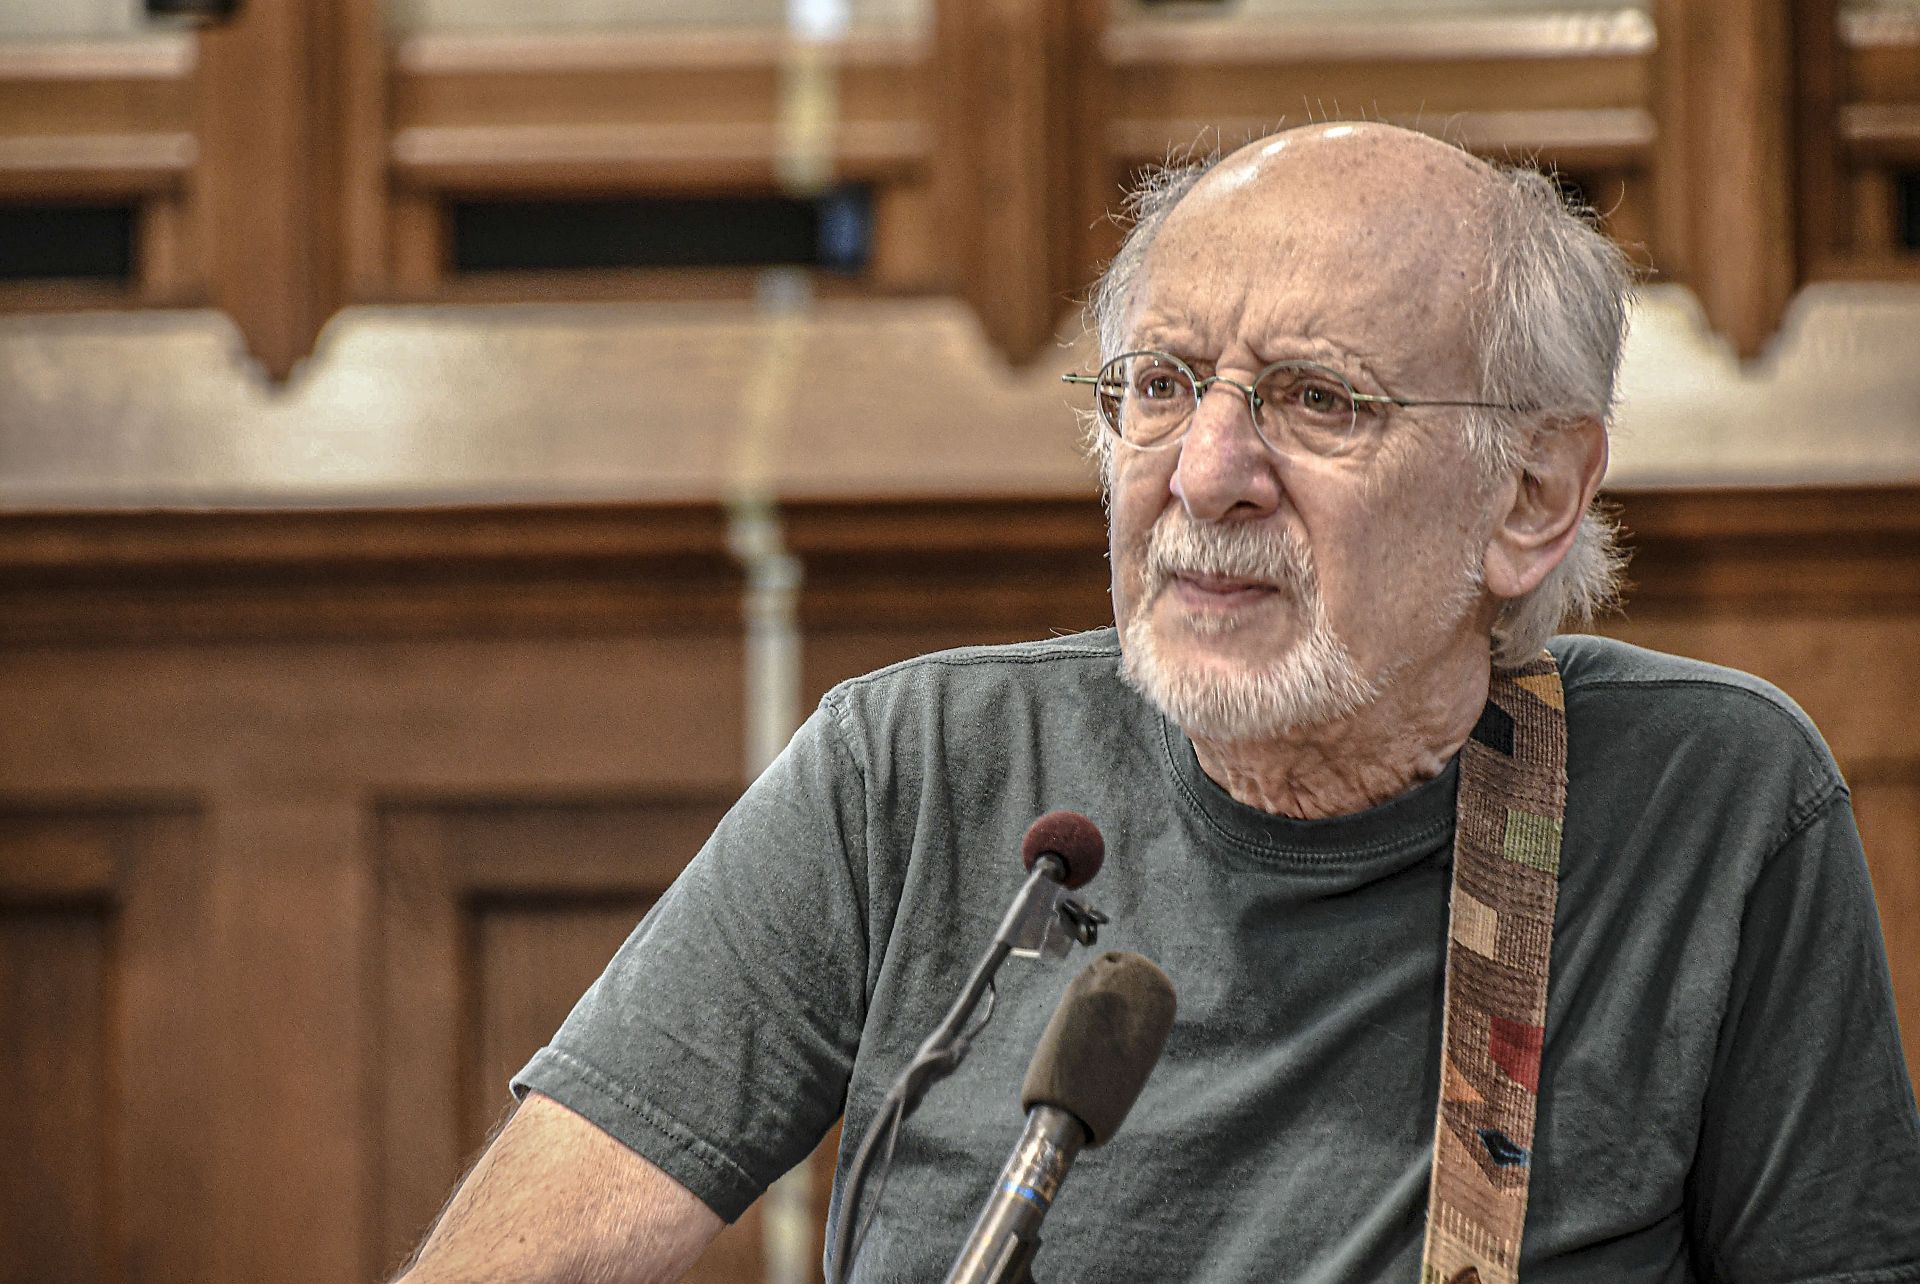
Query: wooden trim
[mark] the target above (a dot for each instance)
(623, 285)
(569, 568)
(499, 160)
(1409, 37)
(1576, 137)
(1736, 162)
(1879, 28)
(1821, 188)
(65, 295)
(169, 271)
(363, 111)
(1857, 546)
(1863, 265)
(159, 57)
(94, 166)
(1881, 133)
(1012, 179)
(230, 574)
(141, 542)
(267, 186)
(539, 53)
(158, 543)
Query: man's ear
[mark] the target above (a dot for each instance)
(1561, 474)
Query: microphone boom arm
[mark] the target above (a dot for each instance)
(1042, 922)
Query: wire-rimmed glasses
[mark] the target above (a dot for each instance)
(1147, 399)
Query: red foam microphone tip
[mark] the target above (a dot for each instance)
(1070, 836)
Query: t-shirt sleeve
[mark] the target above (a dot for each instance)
(1808, 1166)
(719, 1040)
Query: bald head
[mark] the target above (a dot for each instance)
(1408, 262)
(1354, 242)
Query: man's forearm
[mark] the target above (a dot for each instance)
(554, 1200)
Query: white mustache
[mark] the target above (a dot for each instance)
(1268, 554)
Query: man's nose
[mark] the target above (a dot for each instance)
(1225, 468)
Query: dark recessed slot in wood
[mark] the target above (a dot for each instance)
(832, 231)
(48, 242)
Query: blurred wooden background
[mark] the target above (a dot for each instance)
(361, 689)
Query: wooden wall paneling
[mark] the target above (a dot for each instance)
(363, 74)
(480, 116)
(884, 581)
(492, 115)
(1014, 119)
(1822, 195)
(1083, 102)
(167, 251)
(263, 662)
(908, 253)
(419, 256)
(1734, 157)
(1675, 110)
(224, 576)
(105, 121)
(95, 119)
(103, 1043)
(497, 917)
(1873, 133)
(290, 904)
(1576, 94)
(269, 179)
(1574, 91)
(1873, 204)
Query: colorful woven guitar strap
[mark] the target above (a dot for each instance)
(1506, 875)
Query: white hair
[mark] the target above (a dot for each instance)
(1549, 322)
(1315, 682)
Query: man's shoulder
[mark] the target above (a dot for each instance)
(1591, 665)
(1646, 701)
(1047, 659)
(1077, 675)
(994, 709)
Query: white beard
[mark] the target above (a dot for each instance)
(1313, 682)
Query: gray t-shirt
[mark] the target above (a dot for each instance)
(1723, 1092)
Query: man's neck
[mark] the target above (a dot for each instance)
(1406, 736)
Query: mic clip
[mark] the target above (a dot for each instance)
(1047, 925)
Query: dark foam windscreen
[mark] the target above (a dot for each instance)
(1102, 1043)
(1070, 836)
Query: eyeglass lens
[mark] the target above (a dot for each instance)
(1148, 399)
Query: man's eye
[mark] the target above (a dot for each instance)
(1159, 387)
(1322, 399)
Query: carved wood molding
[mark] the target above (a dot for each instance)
(107, 121)
(150, 576)
(298, 157)
(229, 575)
(47, 167)
(1854, 546)
(509, 113)
(1859, 126)
(1020, 166)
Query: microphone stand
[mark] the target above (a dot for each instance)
(1042, 922)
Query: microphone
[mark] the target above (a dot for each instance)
(1093, 1059)
(1061, 851)
(1070, 840)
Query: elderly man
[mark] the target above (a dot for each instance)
(1351, 415)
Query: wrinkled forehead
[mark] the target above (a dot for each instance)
(1371, 241)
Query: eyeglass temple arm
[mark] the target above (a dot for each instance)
(1424, 401)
